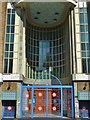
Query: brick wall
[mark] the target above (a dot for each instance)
(2, 31)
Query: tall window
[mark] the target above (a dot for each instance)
(85, 43)
(45, 52)
(9, 41)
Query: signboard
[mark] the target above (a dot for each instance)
(81, 77)
(13, 77)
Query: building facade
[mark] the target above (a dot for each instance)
(81, 78)
(42, 40)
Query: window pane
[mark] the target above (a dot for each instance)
(86, 28)
(11, 47)
(81, 10)
(88, 54)
(6, 47)
(85, 10)
(13, 19)
(5, 65)
(7, 37)
(11, 54)
(12, 29)
(83, 54)
(89, 65)
(6, 54)
(82, 28)
(11, 37)
(13, 10)
(8, 18)
(86, 18)
(84, 70)
(10, 65)
(86, 37)
(9, 10)
(82, 46)
(88, 46)
(82, 37)
(8, 29)
(81, 18)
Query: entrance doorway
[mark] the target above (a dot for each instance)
(8, 108)
(47, 101)
(84, 108)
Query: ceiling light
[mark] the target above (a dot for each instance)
(55, 19)
(38, 12)
(45, 22)
(56, 13)
(36, 18)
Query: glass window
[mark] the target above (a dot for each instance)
(87, 46)
(81, 10)
(13, 19)
(8, 29)
(85, 10)
(13, 10)
(89, 65)
(6, 54)
(82, 37)
(88, 54)
(7, 37)
(6, 47)
(84, 70)
(12, 29)
(11, 54)
(81, 18)
(9, 10)
(10, 65)
(83, 54)
(82, 46)
(11, 47)
(86, 28)
(5, 65)
(11, 37)
(86, 18)
(82, 28)
(8, 19)
(86, 37)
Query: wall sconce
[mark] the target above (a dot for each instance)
(85, 86)
(9, 85)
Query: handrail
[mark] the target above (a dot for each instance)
(52, 76)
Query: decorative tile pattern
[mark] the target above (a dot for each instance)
(9, 96)
(84, 95)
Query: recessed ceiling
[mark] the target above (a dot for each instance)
(47, 13)
(42, 13)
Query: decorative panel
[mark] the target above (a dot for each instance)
(9, 96)
(84, 95)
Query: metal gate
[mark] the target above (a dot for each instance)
(47, 101)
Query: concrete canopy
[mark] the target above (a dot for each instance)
(45, 13)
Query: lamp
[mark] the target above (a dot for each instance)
(85, 86)
(9, 85)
